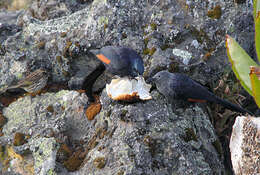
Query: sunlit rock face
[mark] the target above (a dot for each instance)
(244, 145)
(126, 89)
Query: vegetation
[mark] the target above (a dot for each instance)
(245, 68)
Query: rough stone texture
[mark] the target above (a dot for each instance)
(55, 113)
(144, 137)
(148, 138)
(244, 146)
(124, 138)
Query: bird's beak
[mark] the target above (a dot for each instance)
(150, 80)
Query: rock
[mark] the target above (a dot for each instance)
(124, 138)
(42, 115)
(244, 145)
(44, 152)
(148, 138)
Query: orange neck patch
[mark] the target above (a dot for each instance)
(102, 58)
(196, 100)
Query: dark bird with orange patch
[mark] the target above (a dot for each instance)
(180, 86)
(118, 61)
(121, 61)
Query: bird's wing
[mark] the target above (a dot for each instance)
(115, 59)
(190, 90)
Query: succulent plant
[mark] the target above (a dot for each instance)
(245, 68)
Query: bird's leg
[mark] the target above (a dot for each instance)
(91, 79)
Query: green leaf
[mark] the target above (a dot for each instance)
(255, 81)
(257, 27)
(254, 5)
(241, 63)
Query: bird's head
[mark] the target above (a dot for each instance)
(159, 78)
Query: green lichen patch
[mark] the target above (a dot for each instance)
(153, 26)
(148, 51)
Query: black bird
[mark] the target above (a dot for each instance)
(180, 86)
(119, 61)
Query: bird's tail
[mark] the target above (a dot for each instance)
(232, 106)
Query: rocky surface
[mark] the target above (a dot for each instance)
(244, 146)
(50, 134)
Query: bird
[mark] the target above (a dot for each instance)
(180, 86)
(116, 61)
(32, 83)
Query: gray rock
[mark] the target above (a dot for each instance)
(124, 138)
(244, 145)
(44, 151)
(148, 138)
(42, 115)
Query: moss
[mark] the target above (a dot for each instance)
(112, 132)
(65, 73)
(123, 114)
(59, 59)
(99, 162)
(77, 44)
(2, 153)
(101, 147)
(190, 135)
(152, 50)
(74, 162)
(146, 40)
(200, 35)
(41, 45)
(1, 132)
(50, 109)
(147, 140)
(63, 153)
(2, 120)
(66, 49)
(218, 147)
(19, 139)
(174, 67)
(151, 143)
(153, 26)
(124, 35)
(4, 158)
(165, 46)
(51, 172)
(105, 26)
(63, 34)
(146, 51)
(215, 13)
(108, 113)
(92, 142)
(120, 172)
(239, 1)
